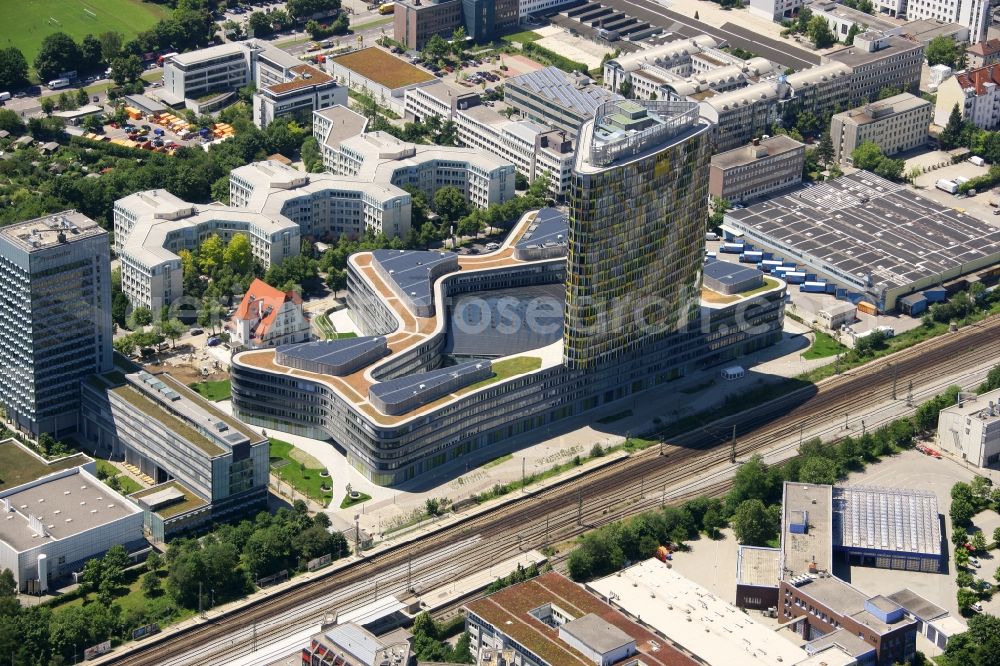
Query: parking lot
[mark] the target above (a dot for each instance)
(978, 206)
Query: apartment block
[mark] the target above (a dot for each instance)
(153, 226)
(976, 92)
(981, 54)
(971, 429)
(556, 99)
(842, 18)
(322, 205)
(896, 124)
(971, 14)
(202, 462)
(765, 166)
(55, 318)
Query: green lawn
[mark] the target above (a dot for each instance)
(290, 464)
(26, 23)
(17, 466)
(214, 391)
(522, 37)
(372, 24)
(823, 346)
(505, 369)
(348, 502)
(768, 285)
(123, 483)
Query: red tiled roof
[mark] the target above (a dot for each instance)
(986, 48)
(977, 77)
(509, 611)
(262, 298)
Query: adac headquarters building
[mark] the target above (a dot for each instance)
(464, 356)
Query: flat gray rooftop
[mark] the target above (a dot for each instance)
(816, 545)
(778, 144)
(428, 385)
(597, 634)
(861, 224)
(344, 124)
(412, 271)
(51, 231)
(560, 88)
(551, 226)
(65, 506)
(502, 322)
(854, 56)
(886, 519)
(332, 352)
(730, 273)
(916, 605)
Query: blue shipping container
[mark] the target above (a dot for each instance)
(795, 277)
(751, 257)
(937, 295)
(813, 287)
(731, 248)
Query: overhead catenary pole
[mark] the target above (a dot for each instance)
(732, 452)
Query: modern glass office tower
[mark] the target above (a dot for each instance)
(55, 318)
(636, 228)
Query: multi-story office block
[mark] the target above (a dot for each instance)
(897, 124)
(765, 166)
(304, 90)
(197, 73)
(156, 225)
(323, 205)
(55, 318)
(416, 21)
(973, 15)
(775, 10)
(976, 92)
(202, 461)
(842, 18)
(554, 98)
(378, 157)
(530, 147)
(638, 211)
(970, 430)
(333, 125)
(879, 61)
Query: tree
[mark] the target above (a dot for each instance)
(259, 24)
(126, 70)
(965, 579)
(962, 557)
(90, 53)
(458, 38)
(819, 32)
(10, 122)
(819, 470)
(91, 575)
(992, 382)
(171, 329)
(625, 88)
(951, 135)
(432, 507)
(154, 561)
(753, 480)
(450, 203)
(942, 51)
(48, 105)
(141, 316)
(58, 54)
(867, 156)
(851, 34)
(111, 45)
(966, 598)
(82, 98)
(753, 524)
(238, 254)
(713, 521)
(211, 254)
(150, 584)
(13, 68)
(979, 542)
(962, 512)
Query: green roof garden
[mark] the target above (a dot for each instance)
(190, 501)
(170, 422)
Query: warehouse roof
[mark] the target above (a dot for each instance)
(916, 605)
(729, 273)
(809, 503)
(862, 224)
(564, 90)
(58, 507)
(381, 67)
(886, 519)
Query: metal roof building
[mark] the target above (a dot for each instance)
(870, 236)
(553, 97)
(726, 277)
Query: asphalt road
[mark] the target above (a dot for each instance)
(655, 14)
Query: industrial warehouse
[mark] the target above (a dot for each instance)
(875, 239)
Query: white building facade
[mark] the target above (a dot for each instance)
(970, 430)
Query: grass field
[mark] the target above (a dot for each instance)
(28, 24)
(824, 346)
(214, 391)
(17, 467)
(299, 469)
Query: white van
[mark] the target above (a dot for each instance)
(4, 96)
(55, 84)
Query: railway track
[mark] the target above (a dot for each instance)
(620, 488)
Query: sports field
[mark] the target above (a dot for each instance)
(27, 25)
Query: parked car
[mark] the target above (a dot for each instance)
(213, 342)
(196, 331)
(978, 607)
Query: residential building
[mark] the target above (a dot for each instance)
(153, 226)
(413, 396)
(55, 318)
(304, 90)
(333, 125)
(348, 644)
(925, 30)
(54, 523)
(896, 124)
(201, 462)
(971, 429)
(981, 54)
(379, 74)
(549, 621)
(765, 166)
(976, 93)
(842, 18)
(879, 61)
(556, 99)
(268, 317)
(379, 157)
(635, 162)
(323, 205)
(973, 15)
(775, 10)
(532, 148)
